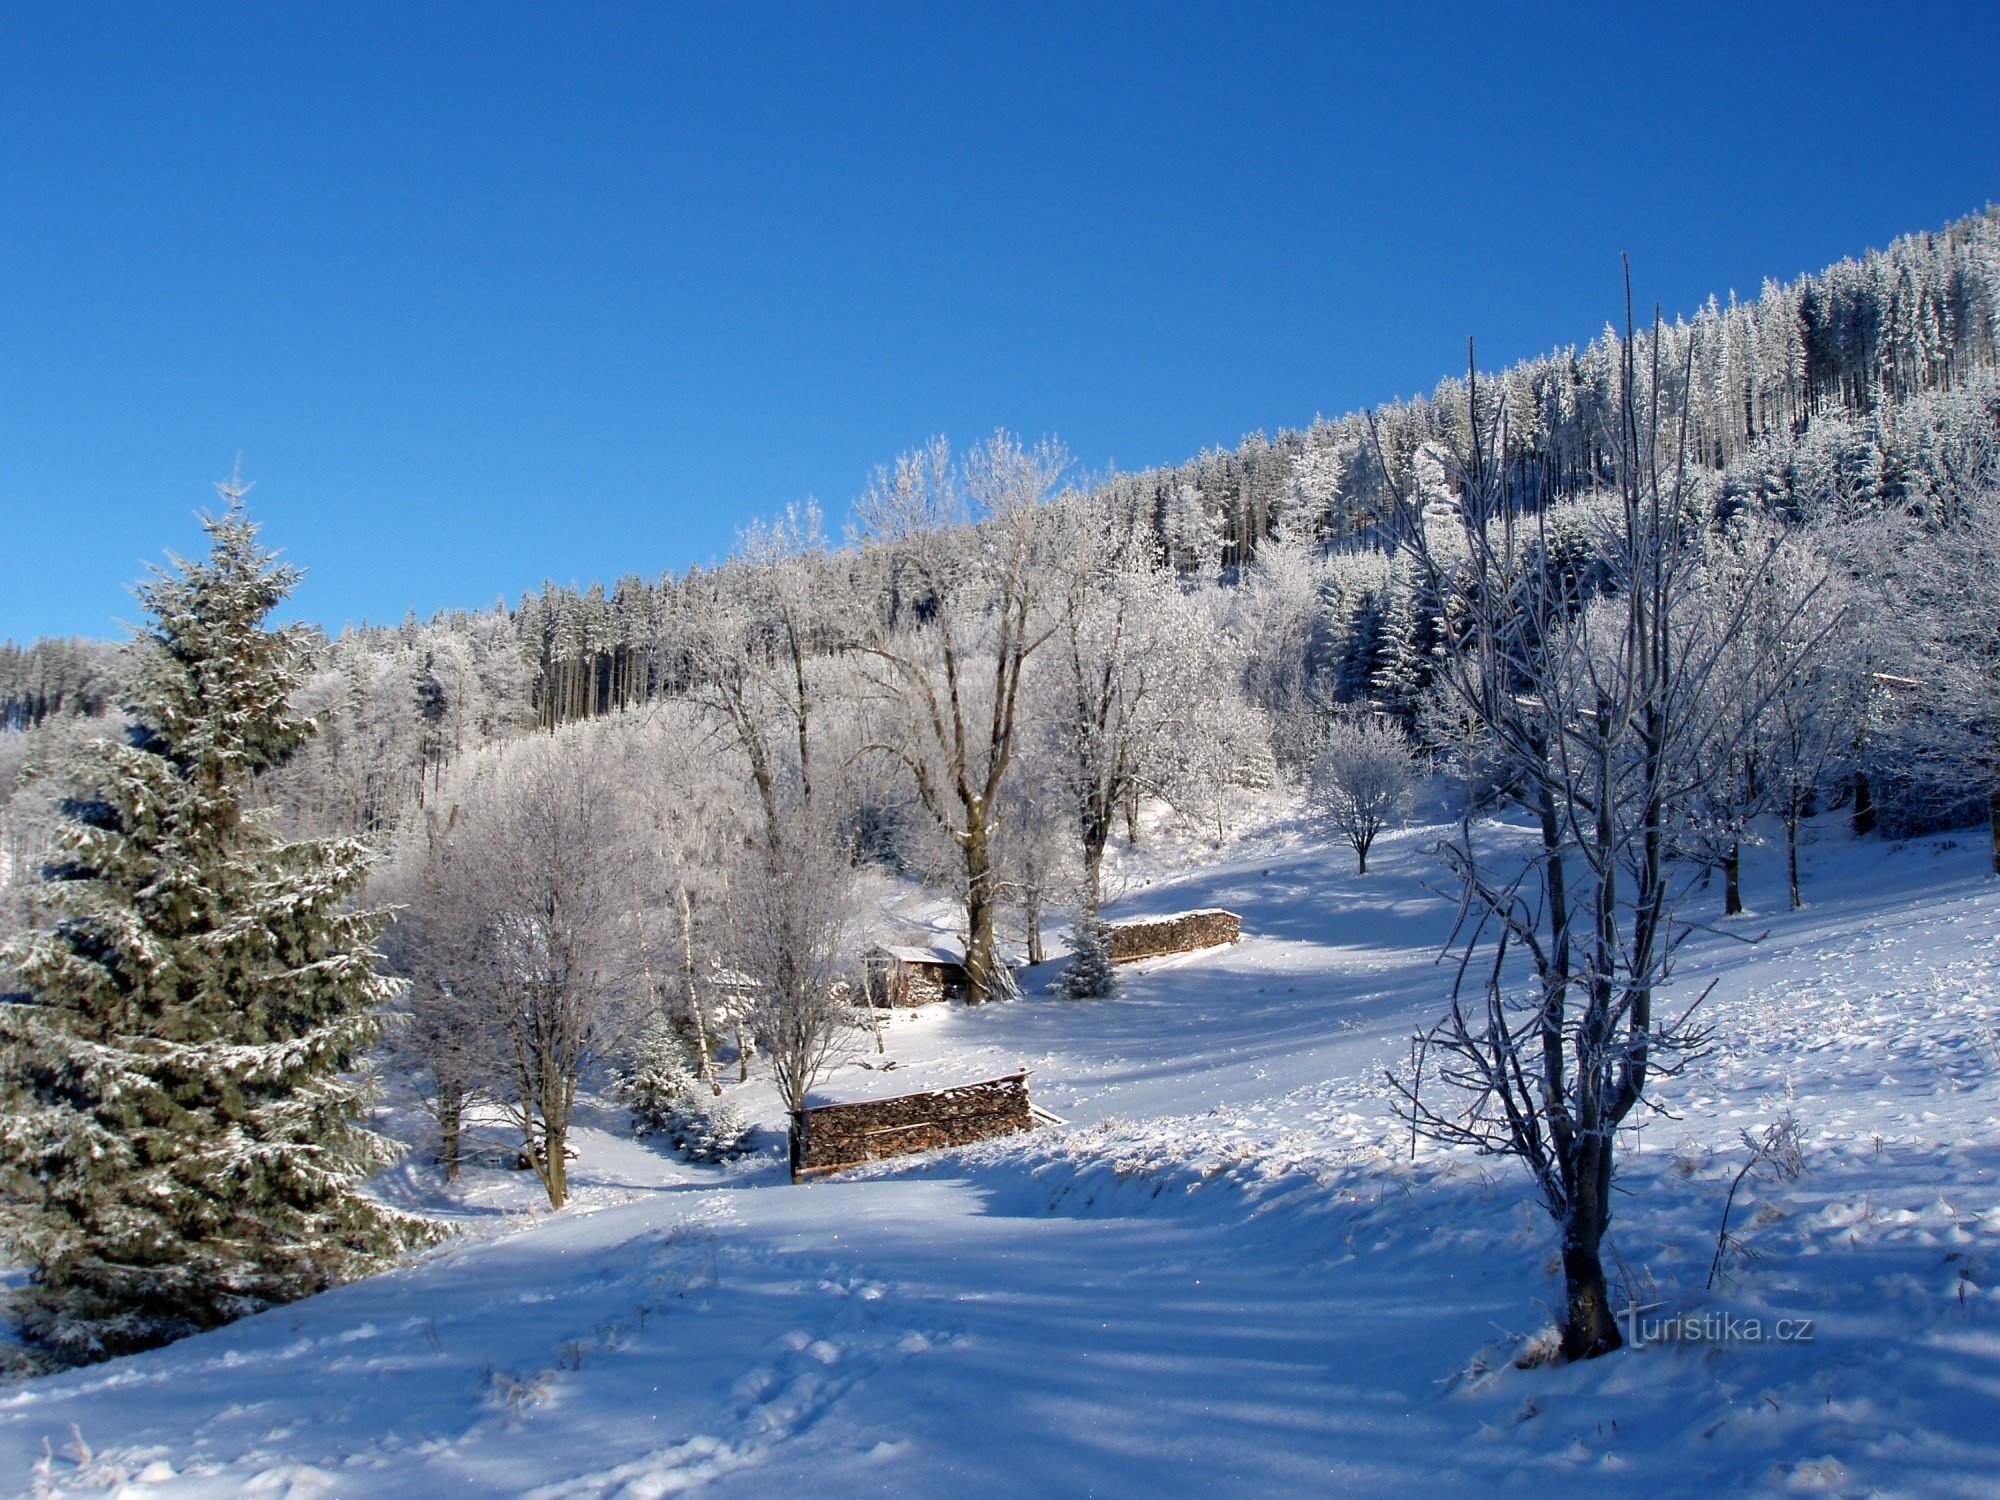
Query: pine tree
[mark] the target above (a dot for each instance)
(182, 1140)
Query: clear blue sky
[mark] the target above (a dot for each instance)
(485, 294)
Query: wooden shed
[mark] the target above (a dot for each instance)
(1180, 932)
(830, 1137)
(900, 976)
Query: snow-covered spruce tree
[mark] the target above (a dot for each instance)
(668, 1097)
(1089, 974)
(182, 1139)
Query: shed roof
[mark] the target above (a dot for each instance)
(904, 953)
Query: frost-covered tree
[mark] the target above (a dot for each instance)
(1035, 842)
(534, 882)
(1090, 974)
(443, 1048)
(1943, 587)
(1137, 680)
(950, 614)
(1361, 782)
(685, 807)
(1594, 693)
(1736, 784)
(1810, 715)
(792, 921)
(1279, 614)
(182, 1138)
(669, 1097)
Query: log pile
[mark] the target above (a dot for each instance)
(829, 1137)
(1183, 932)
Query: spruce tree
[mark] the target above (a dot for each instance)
(1089, 975)
(182, 1141)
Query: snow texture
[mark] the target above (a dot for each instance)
(1230, 1276)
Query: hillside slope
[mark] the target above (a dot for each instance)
(1226, 1276)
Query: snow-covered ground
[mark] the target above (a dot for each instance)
(1228, 1275)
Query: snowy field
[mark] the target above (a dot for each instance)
(1228, 1275)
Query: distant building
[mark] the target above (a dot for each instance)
(899, 976)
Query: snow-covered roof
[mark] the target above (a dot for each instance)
(861, 1084)
(904, 953)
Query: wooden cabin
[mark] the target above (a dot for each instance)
(1180, 932)
(900, 976)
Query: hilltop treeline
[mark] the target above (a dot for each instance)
(1868, 381)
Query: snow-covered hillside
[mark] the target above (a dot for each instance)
(1230, 1274)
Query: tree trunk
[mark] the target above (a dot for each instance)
(1589, 1329)
(1093, 869)
(1993, 812)
(555, 1149)
(700, 1021)
(979, 954)
(1032, 910)
(542, 1144)
(1792, 851)
(1732, 881)
(1864, 805)
(1361, 855)
(451, 1118)
(979, 913)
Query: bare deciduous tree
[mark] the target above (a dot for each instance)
(1361, 781)
(793, 920)
(1596, 703)
(540, 862)
(948, 623)
(1943, 584)
(687, 824)
(443, 1044)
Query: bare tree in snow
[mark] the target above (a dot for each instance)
(1943, 587)
(688, 825)
(793, 921)
(1597, 703)
(1361, 782)
(948, 623)
(542, 863)
(443, 1044)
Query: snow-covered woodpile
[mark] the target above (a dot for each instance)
(828, 1137)
(914, 976)
(1182, 932)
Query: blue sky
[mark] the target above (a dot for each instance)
(487, 294)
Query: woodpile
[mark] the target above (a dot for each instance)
(1183, 932)
(828, 1137)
